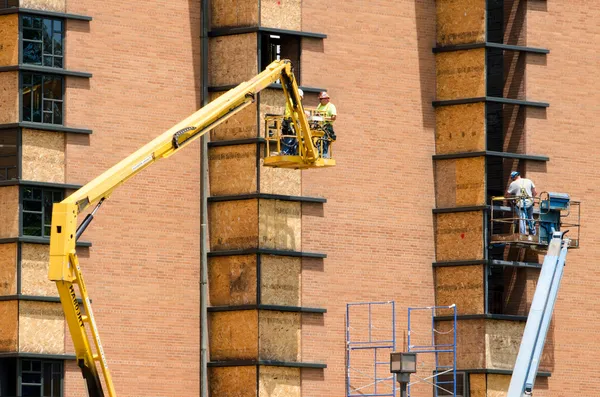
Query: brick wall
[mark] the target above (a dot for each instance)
(143, 269)
(569, 81)
(379, 70)
(377, 224)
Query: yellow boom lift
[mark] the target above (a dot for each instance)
(64, 264)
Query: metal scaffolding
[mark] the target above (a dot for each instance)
(442, 374)
(368, 349)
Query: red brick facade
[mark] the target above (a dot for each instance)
(377, 227)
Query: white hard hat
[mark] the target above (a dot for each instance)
(301, 93)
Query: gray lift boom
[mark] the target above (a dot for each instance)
(538, 321)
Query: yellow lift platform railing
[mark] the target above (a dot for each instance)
(299, 141)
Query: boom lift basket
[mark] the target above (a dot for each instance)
(285, 147)
(552, 212)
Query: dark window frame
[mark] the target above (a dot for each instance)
(44, 220)
(9, 4)
(44, 55)
(44, 101)
(8, 376)
(47, 387)
(459, 381)
(18, 374)
(5, 153)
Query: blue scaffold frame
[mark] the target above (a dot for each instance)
(435, 349)
(375, 345)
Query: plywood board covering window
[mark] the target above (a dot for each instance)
(280, 225)
(233, 225)
(460, 128)
(46, 5)
(279, 382)
(460, 285)
(9, 216)
(281, 14)
(41, 327)
(281, 278)
(233, 13)
(234, 335)
(459, 236)
(232, 169)
(232, 280)
(9, 326)
(460, 182)
(460, 21)
(34, 270)
(460, 74)
(470, 342)
(8, 269)
(233, 381)
(43, 156)
(9, 39)
(9, 97)
(241, 126)
(232, 59)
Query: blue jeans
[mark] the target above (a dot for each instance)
(329, 134)
(526, 220)
(289, 145)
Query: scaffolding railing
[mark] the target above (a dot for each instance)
(439, 344)
(370, 338)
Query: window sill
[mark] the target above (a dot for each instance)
(271, 363)
(45, 127)
(45, 69)
(38, 240)
(34, 298)
(21, 10)
(252, 29)
(38, 355)
(507, 47)
(14, 182)
(267, 196)
(490, 153)
(220, 88)
(506, 101)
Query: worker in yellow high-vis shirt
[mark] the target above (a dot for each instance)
(329, 112)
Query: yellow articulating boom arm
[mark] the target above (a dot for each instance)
(64, 265)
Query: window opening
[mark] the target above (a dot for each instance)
(9, 4)
(37, 210)
(42, 41)
(42, 98)
(8, 155)
(280, 46)
(41, 378)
